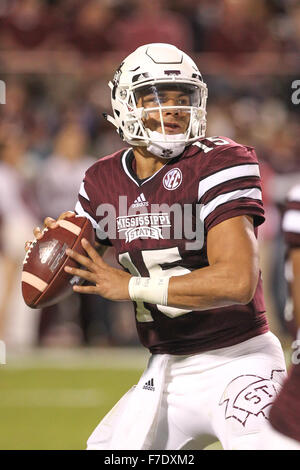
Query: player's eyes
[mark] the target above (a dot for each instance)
(183, 101)
(154, 100)
(180, 101)
(149, 101)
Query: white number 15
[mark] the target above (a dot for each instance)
(153, 259)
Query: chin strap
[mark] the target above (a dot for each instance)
(169, 149)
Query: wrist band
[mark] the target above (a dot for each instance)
(153, 290)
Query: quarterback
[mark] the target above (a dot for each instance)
(214, 368)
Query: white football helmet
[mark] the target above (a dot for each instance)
(150, 70)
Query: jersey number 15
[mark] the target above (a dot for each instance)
(153, 259)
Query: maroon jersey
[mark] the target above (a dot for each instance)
(158, 227)
(285, 413)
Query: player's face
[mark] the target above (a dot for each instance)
(175, 120)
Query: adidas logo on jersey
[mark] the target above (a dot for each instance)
(149, 385)
(140, 201)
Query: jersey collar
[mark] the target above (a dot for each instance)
(127, 164)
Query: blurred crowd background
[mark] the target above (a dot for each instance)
(56, 58)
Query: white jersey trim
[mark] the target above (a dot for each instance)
(291, 221)
(125, 166)
(252, 193)
(83, 192)
(228, 174)
(80, 211)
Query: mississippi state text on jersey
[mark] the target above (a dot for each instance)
(154, 227)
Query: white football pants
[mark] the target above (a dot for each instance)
(189, 402)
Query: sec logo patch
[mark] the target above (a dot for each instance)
(172, 179)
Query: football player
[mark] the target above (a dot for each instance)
(182, 212)
(284, 426)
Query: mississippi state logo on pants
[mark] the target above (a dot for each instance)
(250, 395)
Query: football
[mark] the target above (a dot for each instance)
(44, 280)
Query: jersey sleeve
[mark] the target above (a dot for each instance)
(87, 203)
(291, 219)
(231, 186)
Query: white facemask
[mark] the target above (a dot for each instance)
(169, 149)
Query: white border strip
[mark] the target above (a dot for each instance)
(128, 173)
(67, 225)
(252, 193)
(83, 192)
(80, 211)
(34, 281)
(125, 166)
(228, 174)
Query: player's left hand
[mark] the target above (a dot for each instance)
(110, 283)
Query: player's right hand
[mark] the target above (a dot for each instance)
(49, 222)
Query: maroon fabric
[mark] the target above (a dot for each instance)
(113, 176)
(285, 413)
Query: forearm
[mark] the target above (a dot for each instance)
(212, 287)
(215, 286)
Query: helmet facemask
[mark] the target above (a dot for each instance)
(161, 103)
(170, 115)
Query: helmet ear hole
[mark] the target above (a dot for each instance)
(123, 94)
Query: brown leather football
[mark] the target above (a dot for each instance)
(44, 280)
